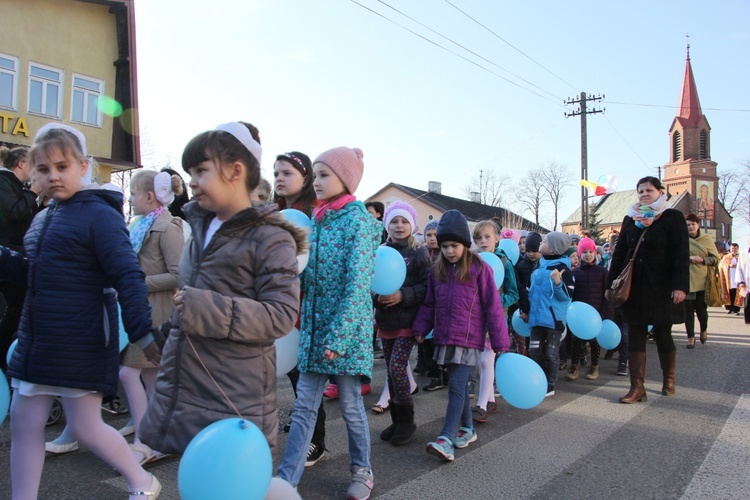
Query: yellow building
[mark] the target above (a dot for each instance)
(72, 62)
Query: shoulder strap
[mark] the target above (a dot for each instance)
(639, 243)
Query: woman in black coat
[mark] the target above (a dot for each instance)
(660, 281)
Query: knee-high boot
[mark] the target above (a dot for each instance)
(406, 427)
(388, 432)
(637, 366)
(668, 362)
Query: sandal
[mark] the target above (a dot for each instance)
(380, 409)
(141, 449)
(153, 490)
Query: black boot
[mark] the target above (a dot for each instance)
(388, 432)
(406, 427)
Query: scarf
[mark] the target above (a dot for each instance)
(337, 204)
(139, 228)
(644, 215)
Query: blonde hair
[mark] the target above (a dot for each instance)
(65, 142)
(485, 223)
(144, 182)
(10, 158)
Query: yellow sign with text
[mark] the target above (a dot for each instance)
(13, 125)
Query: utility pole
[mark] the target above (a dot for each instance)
(582, 100)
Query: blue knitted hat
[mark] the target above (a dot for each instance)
(453, 227)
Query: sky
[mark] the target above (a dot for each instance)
(431, 93)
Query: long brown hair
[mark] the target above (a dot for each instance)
(463, 266)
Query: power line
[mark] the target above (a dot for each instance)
(511, 45)
(455, 53)
(469, 50)
(626, 142)
(675, 107)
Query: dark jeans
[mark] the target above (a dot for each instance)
(662, 335)
(14, 297)
(544, 348)
(694, 307)
(732, 297)
(319, 434)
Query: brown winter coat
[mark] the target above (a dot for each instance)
(240, 294)
(660, 267)
(159, 257)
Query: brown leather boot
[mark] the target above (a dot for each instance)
(667, 368)
(637, 364)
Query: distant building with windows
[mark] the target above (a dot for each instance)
(72, 62)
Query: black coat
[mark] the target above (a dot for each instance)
(414, 290)
(590, 284)
(17, 209)
(524, 268)
(661, 266)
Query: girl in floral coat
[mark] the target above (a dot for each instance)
(336, 323)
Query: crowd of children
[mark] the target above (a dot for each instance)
(202, 320)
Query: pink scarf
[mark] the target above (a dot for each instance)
(337, 204)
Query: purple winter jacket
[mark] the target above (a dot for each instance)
(461, 313)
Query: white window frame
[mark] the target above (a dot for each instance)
(14, 73)
(86, 92)
(45, 82)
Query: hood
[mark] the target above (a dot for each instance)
(92, 192)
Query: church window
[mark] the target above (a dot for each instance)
(704, 145)
(676, 146)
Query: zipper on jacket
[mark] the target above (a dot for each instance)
(32, 287)
(471, 309)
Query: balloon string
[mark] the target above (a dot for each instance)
(213, 379)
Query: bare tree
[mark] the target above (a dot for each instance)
(530, 192)
(556, 177)
(491, 186)
(733, 190)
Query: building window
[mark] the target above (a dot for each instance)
(704, 145)
(45, 90)
(83, 108)
(723, 230)
(676, 146)
(8, 81)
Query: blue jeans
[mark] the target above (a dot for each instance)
(310, 387)
(459, 405)
(544, 348)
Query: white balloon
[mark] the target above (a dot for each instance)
(286, 352)
(564, 333)
(281, 490)
(302, 260)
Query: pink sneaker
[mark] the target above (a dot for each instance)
(366, 389)
(332, 392)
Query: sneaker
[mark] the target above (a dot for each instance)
(365, 390)
(550, 393)
(472, 390)
(434, 385)
(491, 407)
(314, 453)
(361, 486)
(496, 391)
(464, 437)
(60, 449)
(442, 448)
(622, 369)
(128, 429)
(593, 373)
(573, 373)
(478, 415)
(332, 391)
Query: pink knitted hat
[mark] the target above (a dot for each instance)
(346, 163)
(404, 210)
(586, 244)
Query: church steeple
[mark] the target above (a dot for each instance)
(690, 106)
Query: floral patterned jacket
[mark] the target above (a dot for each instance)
(337, 306)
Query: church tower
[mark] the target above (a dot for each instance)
(690, 167)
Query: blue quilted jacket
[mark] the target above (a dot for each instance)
(79, 258)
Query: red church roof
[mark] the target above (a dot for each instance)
(690, 105)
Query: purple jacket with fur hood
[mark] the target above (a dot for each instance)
(461, 313)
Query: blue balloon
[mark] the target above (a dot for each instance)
(390, 271)
(511, 250)
(609, 337)
(497, 266)
(520, 326)
(520, 380)
(584, 321)
(10, 351)
(4, 398)
(229, 459)
(298, 218)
